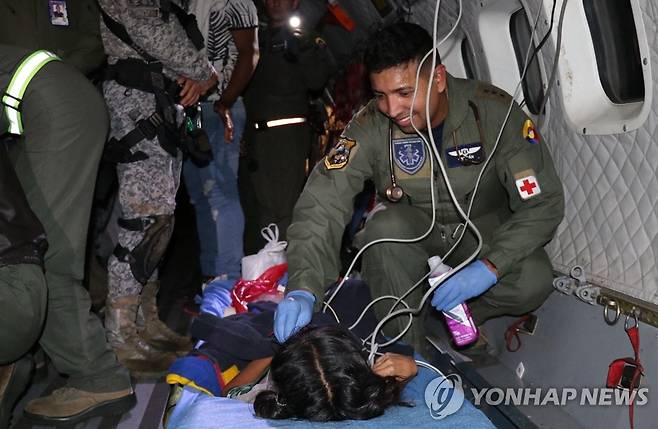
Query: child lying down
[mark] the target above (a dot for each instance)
(320, 374)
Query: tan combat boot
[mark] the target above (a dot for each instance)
(141, 359)
(68, 405)
(14, 378)
(153, 330)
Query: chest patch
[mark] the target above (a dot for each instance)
(409, 154)
(465, 155)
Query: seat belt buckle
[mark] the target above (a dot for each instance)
(149, 126)
(624, 374)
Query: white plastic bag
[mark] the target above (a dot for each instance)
(274, 253)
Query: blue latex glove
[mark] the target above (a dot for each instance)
(216, 299)
(473, 280)
(292, 314)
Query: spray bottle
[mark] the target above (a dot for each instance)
(459, 320)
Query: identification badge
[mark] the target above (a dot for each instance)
(409, 154)
(59, 14)
(463, 155)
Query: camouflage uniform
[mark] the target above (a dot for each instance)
(146, 187)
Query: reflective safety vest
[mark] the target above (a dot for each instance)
(21, 78)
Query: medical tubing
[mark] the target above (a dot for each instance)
(466, 217)
(429, 366)
(431, 227)
(551, 80)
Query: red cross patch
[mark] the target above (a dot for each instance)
(528, 186)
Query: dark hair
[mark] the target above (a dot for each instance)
(321, 374)
(397, 44)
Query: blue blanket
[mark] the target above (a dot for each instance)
(199, 411)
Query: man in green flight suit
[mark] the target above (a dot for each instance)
(55, 123)
(517, 208)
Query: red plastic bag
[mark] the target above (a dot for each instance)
(246, 291)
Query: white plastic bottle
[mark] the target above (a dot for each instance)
(459, 320)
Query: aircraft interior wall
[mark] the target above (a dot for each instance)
(610, 227)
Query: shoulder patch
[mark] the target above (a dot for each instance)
(339, 155)
(530, 132)
(485, 90)
(527, 184)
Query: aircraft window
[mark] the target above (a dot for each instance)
(521, 31)
(616, 48)
(468, 57)
(604, 69)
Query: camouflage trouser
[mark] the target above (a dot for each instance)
(146, 188)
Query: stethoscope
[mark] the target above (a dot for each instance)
(394, 193)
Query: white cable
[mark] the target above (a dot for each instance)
(332, 311)
(429, 366)
(431, 227)
(466, 217)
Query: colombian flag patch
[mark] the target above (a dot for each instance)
(529, 132)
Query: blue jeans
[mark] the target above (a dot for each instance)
(213, 191)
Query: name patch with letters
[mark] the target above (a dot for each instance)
(409, 154)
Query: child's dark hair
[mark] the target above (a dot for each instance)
(395, 45)
(321, 374)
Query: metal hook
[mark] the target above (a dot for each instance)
(611, 304)
(633, 315)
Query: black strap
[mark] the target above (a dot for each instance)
(136, 224)
(119, 30)
(119, 150)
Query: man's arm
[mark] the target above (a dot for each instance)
(246, 42)
(325, 207)
(164, 40)
(87, 51)
(537, 212)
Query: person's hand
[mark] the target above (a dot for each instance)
(395, 365)
(472, 280)
(225, 115)
(190, 92)
(193, 89)
(292, 314)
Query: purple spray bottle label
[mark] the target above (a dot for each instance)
(459, 320)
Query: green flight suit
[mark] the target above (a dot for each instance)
(514, 229)
(56, 161)
(27, 23)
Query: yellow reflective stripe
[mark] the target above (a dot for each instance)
(18, 84)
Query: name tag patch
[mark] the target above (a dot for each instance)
(467, 154)
(409, 154)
